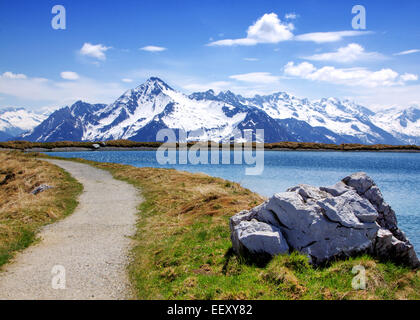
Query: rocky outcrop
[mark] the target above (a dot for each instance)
(326, 223)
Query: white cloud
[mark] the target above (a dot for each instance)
(69, 75)
(234, 42)
(94, 50)
(127, 80)
(290, 16)
(350, 53)
(403, 53)
(381, 98)
(153, 49)
(322, 37)
(348, 76)
(267, 29)
(256, 77)
(41, 91)
(251, 59)
(301, 70)
(409, 77)
(11, 75)
(270, 29)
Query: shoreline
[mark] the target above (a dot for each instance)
(128, 145)
(104, 149)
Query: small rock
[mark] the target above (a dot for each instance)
(95, 146)
(41, 188)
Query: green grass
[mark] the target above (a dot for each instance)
(183, 248)
(25, 238)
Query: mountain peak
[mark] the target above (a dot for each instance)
(227, 95)
(78, 102)
(80, 108)
(157, 81)
(155, 85)
(209, 95)
(412, 113)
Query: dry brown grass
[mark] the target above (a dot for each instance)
(22, 213)
(186, 196)
(22, 145)
(283, 145)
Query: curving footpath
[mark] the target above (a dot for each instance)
(89, 249)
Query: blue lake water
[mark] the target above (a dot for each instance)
(397, 174)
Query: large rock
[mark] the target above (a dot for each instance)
(326, 223)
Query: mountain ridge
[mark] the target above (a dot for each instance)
(140, 112)
(17, 120)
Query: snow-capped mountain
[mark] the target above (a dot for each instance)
(403, 124)
(68, 123)
(141, 112)
(15, 121)
(156, 105)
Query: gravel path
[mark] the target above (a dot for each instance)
(92, 245)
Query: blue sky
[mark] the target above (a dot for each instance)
(307, 48)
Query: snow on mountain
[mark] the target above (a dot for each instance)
(15, 121)
(68, 123)
(155, 101)
(141, 112)
(343, 118)
(404, 124)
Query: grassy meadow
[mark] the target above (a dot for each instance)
(183, 248)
